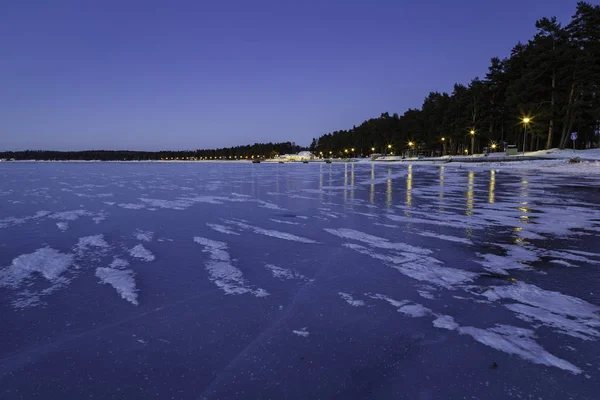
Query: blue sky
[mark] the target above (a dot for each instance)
(152, 75)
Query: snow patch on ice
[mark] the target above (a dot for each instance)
(222, 271)
(375, 241)
(414, 310)
(122, 280)
(46, 262)
(448, 238)
(63, 226)
(350, 300)
(273, 233)
(283, 273)
(445, 322)
(222, 229)
(509, 339)
(131, 206)
(302, 332)
(144, 236)
(119, 263)
(141, 253)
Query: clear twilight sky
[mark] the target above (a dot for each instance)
(150, 75)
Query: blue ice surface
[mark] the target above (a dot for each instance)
(296, 281)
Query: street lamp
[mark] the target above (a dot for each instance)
(372, 148)
(472, 132)
(346, 151)
(526, 121)
(443, 146)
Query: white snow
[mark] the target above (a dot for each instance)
(350, 300)
(63, 226)
(414, 310)
(131, 206)
(141, 253)
(448, 238)
(445, 322)
(375, 241)
(89, 242)
(272, 233)
(222, 229)
(45, 262)
(122, 280)
(302, 332)
(508, 339)
(144, 236)
(70, 215)
(119, 263)
(551, 301)
(222, 271)
(393, 302)
(517, 341)
(283, 273)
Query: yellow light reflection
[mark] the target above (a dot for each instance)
(470, 193)
(492, 188)
(441, 195)
(372, 192)
(352, 181)
(388, 191)
(345, 182)
(321, 182)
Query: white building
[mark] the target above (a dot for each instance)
(302, 156)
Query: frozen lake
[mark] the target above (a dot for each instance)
(349, 281)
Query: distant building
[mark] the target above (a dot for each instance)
(302, 156)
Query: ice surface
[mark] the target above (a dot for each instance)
(222, 271)
(350, 300)
(141, 253)
(122, 280)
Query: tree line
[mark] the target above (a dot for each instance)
(229, 153)
(545, 90)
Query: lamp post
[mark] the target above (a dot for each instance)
(389, 148)
(410, 146)
(526, 121)
(352, 151)
(472, 142)
(443, 146)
